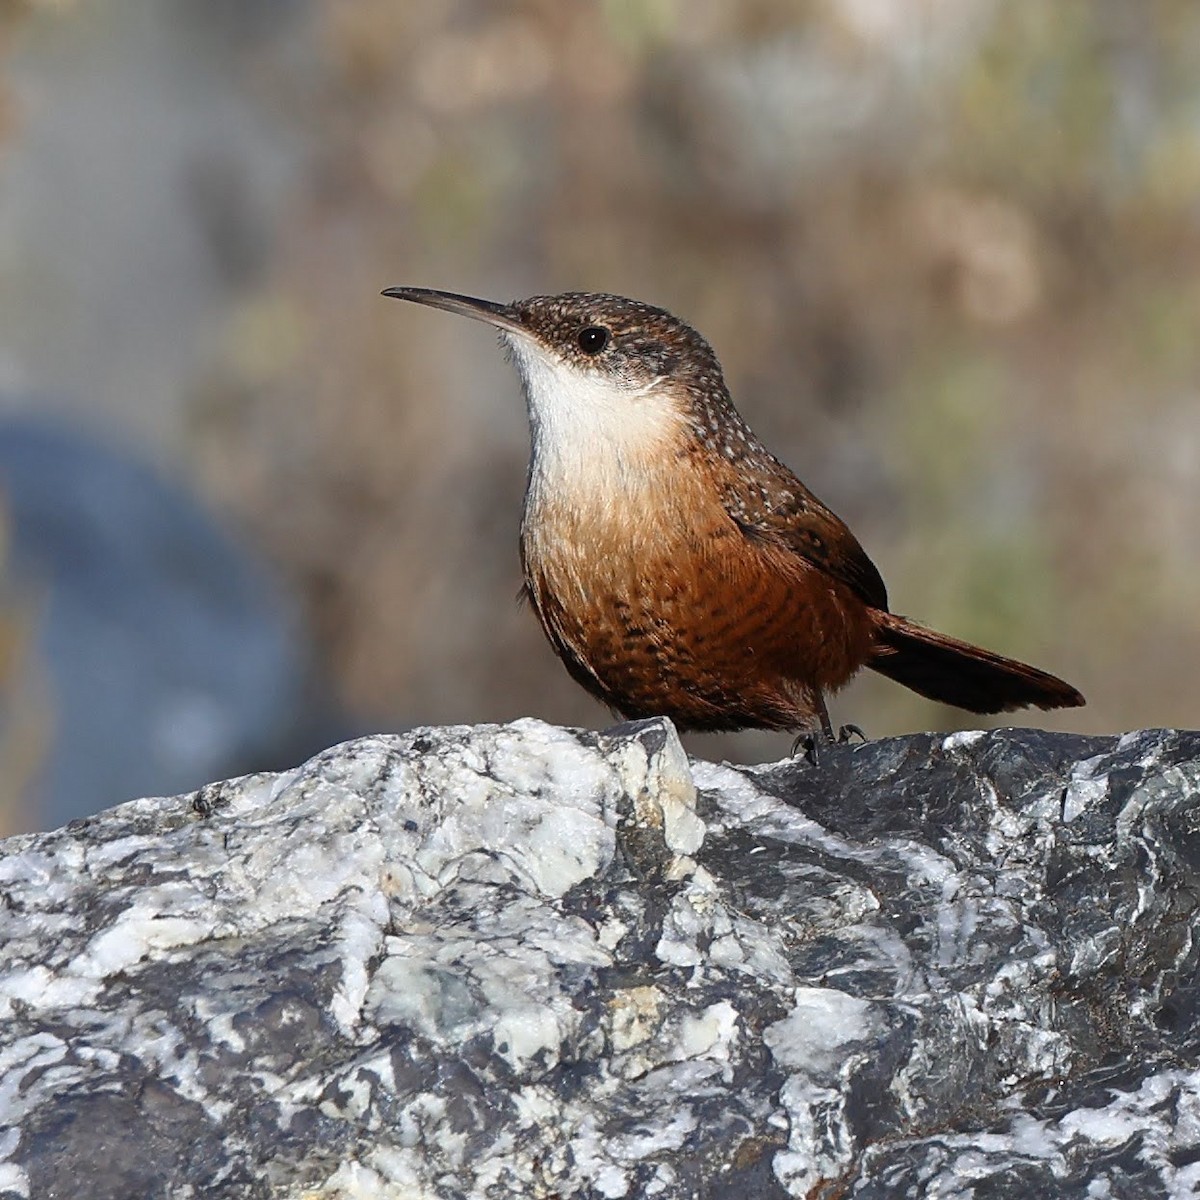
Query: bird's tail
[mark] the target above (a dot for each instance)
(953, 672)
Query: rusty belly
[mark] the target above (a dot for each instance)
(713, 632)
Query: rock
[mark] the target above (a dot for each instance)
(523, 961)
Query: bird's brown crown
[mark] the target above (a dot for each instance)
(634, 342)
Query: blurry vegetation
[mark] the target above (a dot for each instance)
(26, 712)
(26, 708)
(947, 250)
(947, 253)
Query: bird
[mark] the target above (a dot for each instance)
(676, 566)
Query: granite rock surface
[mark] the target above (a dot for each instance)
(525, 961)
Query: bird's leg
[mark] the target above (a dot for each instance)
(822, 713)
(810, 740)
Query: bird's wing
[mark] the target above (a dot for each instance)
(790, 517)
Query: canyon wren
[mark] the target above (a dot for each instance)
(677, 567)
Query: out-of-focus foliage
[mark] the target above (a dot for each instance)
(26, 713)
(947, 250)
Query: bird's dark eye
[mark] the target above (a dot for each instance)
(593, 338)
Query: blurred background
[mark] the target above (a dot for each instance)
(947, 251)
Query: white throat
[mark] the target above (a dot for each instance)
(594, 440)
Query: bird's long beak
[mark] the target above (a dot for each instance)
(502, 316)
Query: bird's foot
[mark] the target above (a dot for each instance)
(810, 742)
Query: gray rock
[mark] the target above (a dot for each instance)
(523, 961)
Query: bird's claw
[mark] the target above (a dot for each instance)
(811, 740)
